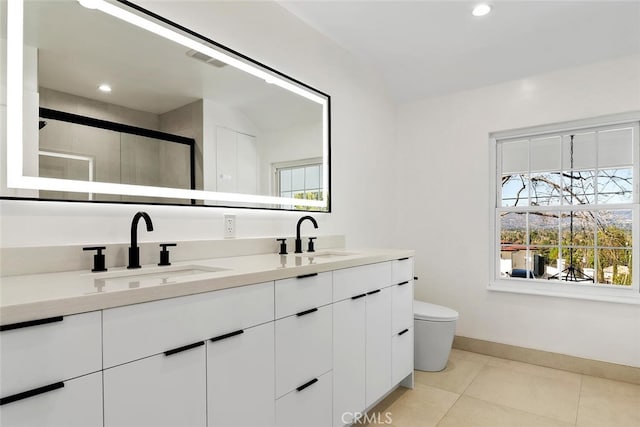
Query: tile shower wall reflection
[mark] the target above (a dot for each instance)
(73, 151)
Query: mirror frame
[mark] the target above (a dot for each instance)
(160, 26)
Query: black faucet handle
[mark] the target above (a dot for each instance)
(164, 253)
(283, 246)
(311, 247)
(98, 258)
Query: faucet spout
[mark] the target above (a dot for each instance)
(298, 239)
(134, 250)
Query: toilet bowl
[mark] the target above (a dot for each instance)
(434, 327)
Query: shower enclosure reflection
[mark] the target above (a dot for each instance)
(84, 148)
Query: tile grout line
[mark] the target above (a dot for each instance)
(448, 410)
(579, 398)
(462, 393)
(519, 409)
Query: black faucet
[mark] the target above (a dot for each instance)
(134, 250)
(298, 240)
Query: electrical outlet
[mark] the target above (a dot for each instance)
(229, 226)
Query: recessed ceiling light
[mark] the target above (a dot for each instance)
(104, 88)
(481, 9)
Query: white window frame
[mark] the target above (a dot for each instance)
(601, 292)
(276, 167)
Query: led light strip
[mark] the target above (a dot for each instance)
(15, 178)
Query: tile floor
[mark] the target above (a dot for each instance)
(478, 390)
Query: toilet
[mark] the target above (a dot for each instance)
(434, 328)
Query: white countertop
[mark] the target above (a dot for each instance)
(37, 296)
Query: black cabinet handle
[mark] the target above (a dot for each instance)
(359, 296)
(304, 276)
(183, 348)
(30, 323)
(404, 331)
(31, 393)
(403, 259)
(403, 283)
(307, 384)
(225, 336)
(373, 292)
(302, 313)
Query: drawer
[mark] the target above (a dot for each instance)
(401, 306)
(310, 406)
(402, 270)
(355, 281)
(48, 351)
(302, 293)
(77, 403)
(141, 330)
(401, 355)
(303, 348)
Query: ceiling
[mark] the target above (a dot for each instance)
(428, 48)
(147, 73)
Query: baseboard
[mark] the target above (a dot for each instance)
(548, 359)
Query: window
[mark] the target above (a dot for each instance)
(299, 180)
(566, 209)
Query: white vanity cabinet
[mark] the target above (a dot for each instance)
(48, 367)
(164, 390)
(349, 343)
(303, 349)
(308, 405)
(71, 403)
(312, 350)
(362, 339)
(141, 330)
(402, 319)
(172, 362)
(241, 378)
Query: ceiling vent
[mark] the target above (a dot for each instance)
(205, 58)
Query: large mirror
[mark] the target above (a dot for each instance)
(119, 105)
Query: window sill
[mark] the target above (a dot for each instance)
(626, 296)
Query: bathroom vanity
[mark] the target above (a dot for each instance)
(261, 340)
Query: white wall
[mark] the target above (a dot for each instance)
(443, 171)
(362, 128)
(300, 142)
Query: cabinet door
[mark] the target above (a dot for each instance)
(402, 355)
(77, 403)
(303, 348)
(378, 359)
(308, 405)
(349, 344)
(241, 378)
(163, 390)
(49, 350)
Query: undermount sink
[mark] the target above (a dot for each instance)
(153, 275)
(329, 254)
